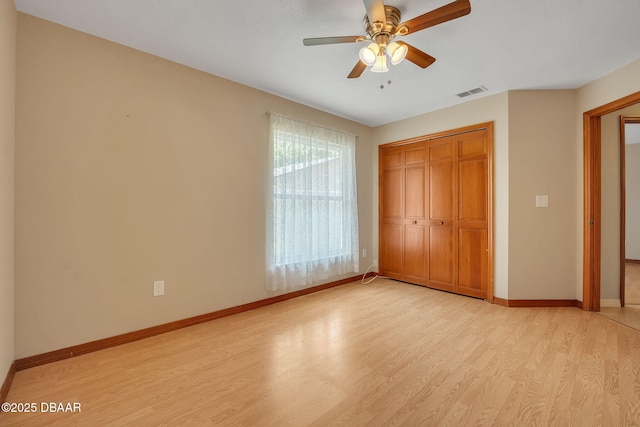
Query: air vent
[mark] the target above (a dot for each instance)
(472, 92)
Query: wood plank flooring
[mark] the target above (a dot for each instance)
(628, 315)
(385, 353)
(632, 283)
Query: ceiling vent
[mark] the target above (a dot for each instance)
(472, 92)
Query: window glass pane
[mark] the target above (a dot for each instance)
(312, 224)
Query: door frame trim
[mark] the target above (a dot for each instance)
(592, 228)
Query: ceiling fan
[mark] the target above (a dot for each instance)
(382, 25)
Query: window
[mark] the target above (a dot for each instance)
(312, 216)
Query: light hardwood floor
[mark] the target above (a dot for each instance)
(629, 314)
(386, 353)
(632, 283)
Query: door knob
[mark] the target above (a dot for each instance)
(415, 222)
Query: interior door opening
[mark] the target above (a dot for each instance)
(592, 198)
(629, 210)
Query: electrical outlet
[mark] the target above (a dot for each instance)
(158, 288)
(364, 253)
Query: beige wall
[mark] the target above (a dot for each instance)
(609, 88)
(519, 278)
(7, 147)
(632, 226)
(130, 169)
(542, 162)
(534, 247)
(489, 109)
(610, 239)
(615, 85)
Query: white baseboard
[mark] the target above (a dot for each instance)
(609, 303)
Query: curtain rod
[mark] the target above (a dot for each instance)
(269, 113)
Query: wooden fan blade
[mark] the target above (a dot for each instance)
(331, 40)
(418, 57)
(375, 11)
(357, 70)
(442, 14)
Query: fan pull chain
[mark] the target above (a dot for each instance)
(381, 82)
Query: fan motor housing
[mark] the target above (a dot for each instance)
(392, 15)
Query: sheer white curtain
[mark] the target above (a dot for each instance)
(312, 215)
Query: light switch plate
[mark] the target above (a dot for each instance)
(542, 201)
(158, 288)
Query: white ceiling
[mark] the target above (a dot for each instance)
(502, 44)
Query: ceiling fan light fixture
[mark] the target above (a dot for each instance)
(368, 54)
(381, 65)
(382, 23)
(396, 52)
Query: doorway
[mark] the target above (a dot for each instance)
(592, 198)
(630, 211)
(620, 177)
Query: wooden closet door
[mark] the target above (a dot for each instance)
(436, 211)
(402, 213)
(391, 212)
(472, 216)
(414, 224)
(441, 235)
(458, 214)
